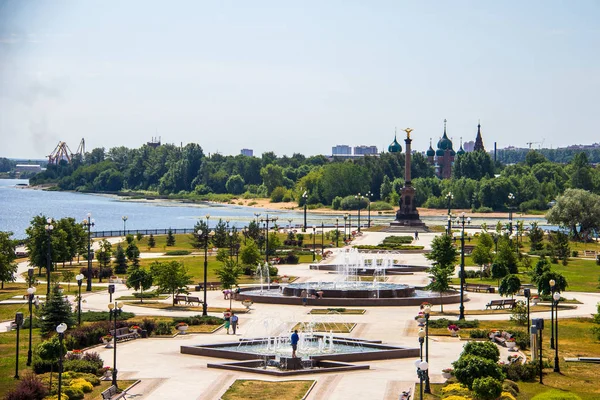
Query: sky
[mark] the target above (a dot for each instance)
(296, 77)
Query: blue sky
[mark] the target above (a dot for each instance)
(296, 76)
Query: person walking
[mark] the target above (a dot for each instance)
(294, 341)
(304, 295)
(416, 235)
(227, 318)
(234, 322)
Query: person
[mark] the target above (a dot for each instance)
(237, 292)
(234, 322)
(304, 295)
(227, 318)
(416, 235)
(294, 341)
(226, 294)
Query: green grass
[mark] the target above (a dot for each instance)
(243, 389)
(8, 342)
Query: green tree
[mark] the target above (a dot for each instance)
(440, 280)
(151, 241)
(139, 279)
(196, 239)
(170, 277)
(272, 176)
(506, 255)
(559, 244)
(536, 237)
(37, 243)
(220, 239)
(120, 260)
(543, 282)
(510, 285)
(229, 273)
(103, 256)
(443, 252)
(8, 267)
(541, 267)
(235, 184)
(274, 243)
(55, 311)
(482, 253)
(581, 175)
(487, 388)
(133, 254)
(469, 367)
(577, 210)
(487, 350)
(534, 157)
(170, 238)
(499, 271)
(250, 254)
(68, 276)
(49, 351)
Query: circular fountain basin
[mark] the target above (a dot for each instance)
(350, 290)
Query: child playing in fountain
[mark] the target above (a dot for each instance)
(294, 341)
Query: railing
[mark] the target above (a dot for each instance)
(121, 232)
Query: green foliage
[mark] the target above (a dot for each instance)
(443, 252)
(486, 350)
(8, 267)
(170, 277)
(178, 253)
(336, 203)
(139, 279)
(120, 261)
(170, 238)
(577, 210)
(55, 311)
(353, 203)
(554, 394)
(249, 253)
(462, 324)
(469, 367)
(478, 334)
(506, 256)
(235, 184)
(278, 194)
(229, 273)
(543, 283)
(487, 388)
(559, 245)
(519, 313)
(509, 285)
(163, 328)
(151, 241)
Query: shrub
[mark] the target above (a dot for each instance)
(291, 258)
(336, 203)
(486, 350)
(575, 253)
(556, 395)
(91, 378)
(178, 253)
(163, 328)
(455, 389)
(487, 388)
(278, 194)
(510, 387)
(42, 366)
(381, 206)
(30, 387)
(89, 335)
(527, 372)
(484, 210)
(507, 396)
(469, 367)
(521, 338)
(519, 313)
(462, 324)
(478, 334)
(89, 367)
(74, 393)
(95, 316)
(82, 384)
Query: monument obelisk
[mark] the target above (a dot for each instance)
(407, 215)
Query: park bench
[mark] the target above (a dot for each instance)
(589, 253)
(209, 285)
(478, 287)
(180, 298)
(501, 338)
(193, 299)
(123, 334)
(405, 395)
(501, 304)
(112, 393)
(509, 303)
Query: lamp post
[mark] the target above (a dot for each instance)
(449, 198)
(552, 285)
(358, 198)
(266, 221)
(230, 245)
(314, 254)
(322, 239)
(79, 279)
(304, 200)
(88, 223)
(205, 236)
(337, 232)
(345, 221)
(422, 368)
(349, 225)
(421, 335)
(30, 295)
(290, 224)
(511, 198)
(527, 293)
(60, 329)
(124, 218)
(115, 309)
(426, 311)
(369, 195)
(49, 227)
(556, 298)
(462, 266)
(257, 215)
(19, 322)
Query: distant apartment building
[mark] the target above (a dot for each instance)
(341, 150)
(365, 150)
(28, 168)
(247, 152)
(469, 146)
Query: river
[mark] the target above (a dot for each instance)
(19, 205)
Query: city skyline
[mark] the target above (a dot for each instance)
(295, 78)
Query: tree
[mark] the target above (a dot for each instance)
(133, 254)
(510, 285)
(120, 260)
(274, 243)
(170, 238)
(543, 283)
(68, 276)
(103, 256)
(540, 268)
(151, 241)
(235, 184)
(482, 253)
(50, 350)
(220, 238)
(37, 243)
(577, 210)
(440, 280)
(506, 256)
(499, 271)
(170, 277)
(443, 253)
(250, 254)
(581, 176)
(559, 244)
(229, 273)
(139, 279)
(536, 237)
(198, 240)
(55, 311)
(8, 267)
(272, 176)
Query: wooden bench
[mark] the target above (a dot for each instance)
(501, 304)
(180, 298)
(123, 334)
(510, 303)
(209, 285)
(589, 253)
(112, 393)
(405, 395)
(478, 287)
(193, 299)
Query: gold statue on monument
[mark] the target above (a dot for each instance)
(408, 131)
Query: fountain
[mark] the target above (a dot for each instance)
(358, 263)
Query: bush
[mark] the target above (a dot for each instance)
(575, 253)
(95, 316)
(486, 350)
(469, 367)
(278, 194)
(178, 253)
(86, 366)
(350, 203)
(527, 372)
(42, 366)
(444, 322)
(556, 395)
(487, 388)
(381, 206)
(74, 393)
(521, 338)
(199, 320)
(82, 384)
(519, 313)
(89, 335)
(455, 389)
(478, 334)
(291, 258)
(91, 378)
(336, 203)
(484, 210)
(510, 387)
(30, 387)
(163, 328)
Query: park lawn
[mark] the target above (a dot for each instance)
(334, 327)
(203, 328)
(243, 389)
(182, 242)
(533, 309)
(8, 342)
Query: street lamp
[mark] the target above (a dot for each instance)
(88, 223)
(60, 329)
(511, 198)
(30, 295)
(359, 198)
(427, 311)
(449, 198)
(124, 218)
(422, 367)
(79, 279)
(421, 341)
(305, 200)
(527, 293)
(19, 322)
(322, 239)
(49, 227)
(257, 215)
(230, 245)
(314, 230)
(115, 309)
(345, 220)
(552, 285)
(205, 236)
(556, 298)
(337, 232)
(462, 266)
(369, 195)
(266, 221)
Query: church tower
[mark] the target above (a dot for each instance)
(479, 140)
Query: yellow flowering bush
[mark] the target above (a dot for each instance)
(55, 397)
(454, 397)
(456, 388)
(507, 396)
(82, 384)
